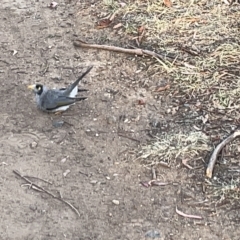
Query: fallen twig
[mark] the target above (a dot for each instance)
(38, 188)
(124, 136)
(135, 51)
(217, 150)
(154, 176)
(46, 181)
(152, 183)
(187, 215)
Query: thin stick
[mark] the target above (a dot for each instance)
(135, 51)
(124, 136)
(46, 181)
(154, 176)
(217, 150)
(45, 191)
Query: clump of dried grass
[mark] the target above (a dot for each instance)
(169, 147)
(200, 40)
(224, 190)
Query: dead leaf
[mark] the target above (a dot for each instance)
(163, 88)
(141, 102)
(117, 26)
(103, 23)
(167, 3)
(187, 215)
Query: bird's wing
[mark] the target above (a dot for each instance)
(53, 99)
(79, 90)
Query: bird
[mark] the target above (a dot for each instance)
(58, 100)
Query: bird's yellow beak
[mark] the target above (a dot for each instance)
(31, 87)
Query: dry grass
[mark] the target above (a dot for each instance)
(225, 190)
(200, 42)
(200, 45)
(170, 147)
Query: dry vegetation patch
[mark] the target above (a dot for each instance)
(199, 42)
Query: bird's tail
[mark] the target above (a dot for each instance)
(71, 87)
(77, 99)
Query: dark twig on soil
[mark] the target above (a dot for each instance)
(136, 51)
(124, 136)
(46, 181)
(38, 188)
(217, 150)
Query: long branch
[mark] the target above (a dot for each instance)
(135, 51)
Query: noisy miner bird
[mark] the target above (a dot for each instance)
(58, 100)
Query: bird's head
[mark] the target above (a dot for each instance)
(36, 88)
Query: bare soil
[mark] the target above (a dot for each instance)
(91, 160)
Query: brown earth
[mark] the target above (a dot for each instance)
(37, 46)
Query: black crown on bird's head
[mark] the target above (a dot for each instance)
(39, 89)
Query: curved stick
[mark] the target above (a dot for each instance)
(219, 147)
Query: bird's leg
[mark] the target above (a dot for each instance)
(58, 112)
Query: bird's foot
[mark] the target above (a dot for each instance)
(58, 113)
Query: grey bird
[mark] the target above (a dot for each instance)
(58, 100)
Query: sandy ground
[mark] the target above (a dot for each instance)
(90, 159)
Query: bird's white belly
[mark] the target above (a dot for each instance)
(63, 108)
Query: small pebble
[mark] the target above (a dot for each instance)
(93, 181)
(57, 123)
(152, 234)
(111, 119)
(33, 207)
(33, 145)
(66, 172)
(116, 202)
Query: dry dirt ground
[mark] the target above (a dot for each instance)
(90, 159)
